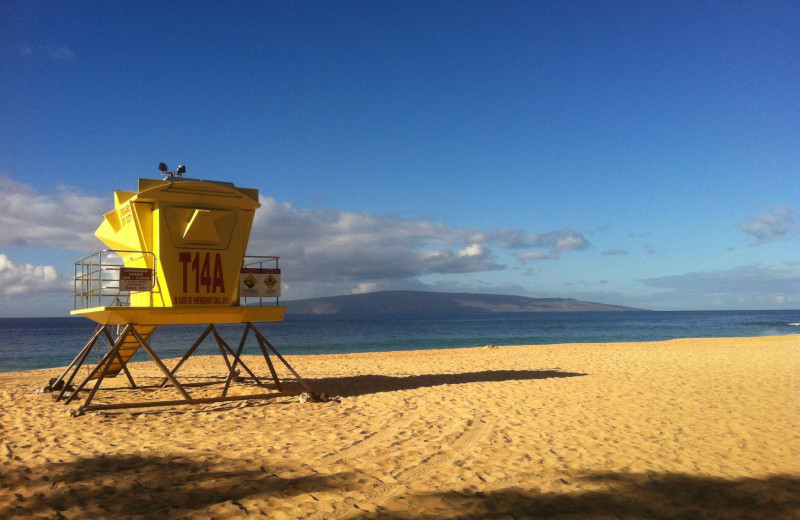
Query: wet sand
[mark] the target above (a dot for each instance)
(694, 428)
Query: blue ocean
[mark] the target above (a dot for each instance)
(31, 343)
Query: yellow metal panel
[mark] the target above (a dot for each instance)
(143, 217)
(193, 228)
(121, 197)
(113, 220)
(202, 227)
(119, 230)
(109, 231)
(247, 224)
(197, 315)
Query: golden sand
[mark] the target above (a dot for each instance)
(696, 428)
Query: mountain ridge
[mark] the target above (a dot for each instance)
(424, 302)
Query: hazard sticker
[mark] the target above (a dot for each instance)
(250, 281)
(260, 283)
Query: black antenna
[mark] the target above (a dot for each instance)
(162, 167)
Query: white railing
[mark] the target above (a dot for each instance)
(97, 278)
(97, 281)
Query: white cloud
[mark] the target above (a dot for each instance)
(531, 255)
(744, 287)
(64, 219)
(472, 250)
(323, 251)
(59, 53)
(364, 288)
(362, 247)
(556, 243)
(342, 251)
(779, 222)
(27, 278)
(53, 52)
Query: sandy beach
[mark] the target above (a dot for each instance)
(694, 428)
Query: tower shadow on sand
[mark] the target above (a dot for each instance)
(351, 386)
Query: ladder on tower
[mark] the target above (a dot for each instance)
(127, 350)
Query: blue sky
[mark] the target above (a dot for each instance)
(634, 153)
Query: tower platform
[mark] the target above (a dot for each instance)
(187, 315)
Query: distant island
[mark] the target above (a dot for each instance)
(422, 302)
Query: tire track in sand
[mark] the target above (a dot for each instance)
(382, 437)
(366, 444)
(464, 441)
(476, 430)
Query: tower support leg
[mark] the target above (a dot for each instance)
(189, 353)
(102, 367)
(264, 341)
(233, 360)
(78, 361)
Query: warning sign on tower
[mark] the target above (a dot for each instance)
(135, 279)
(261, 283)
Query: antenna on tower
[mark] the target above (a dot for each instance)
(162, 167)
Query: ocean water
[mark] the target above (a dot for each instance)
(31, 343)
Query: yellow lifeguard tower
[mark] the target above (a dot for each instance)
(176, 256)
